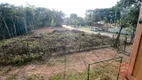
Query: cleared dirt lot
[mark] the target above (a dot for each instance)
(77, 62)
(73, 66)
(48, 30)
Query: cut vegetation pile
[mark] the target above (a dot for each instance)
(24, 49)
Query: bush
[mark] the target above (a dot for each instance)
(34, 47)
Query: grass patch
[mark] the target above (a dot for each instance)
(35, 77)
(12, 77)
(101, 72)
(32, 77)
(70, 76)
(24, 49)
(86, 28)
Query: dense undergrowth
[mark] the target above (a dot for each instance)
(24, 49)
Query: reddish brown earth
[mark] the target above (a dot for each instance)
(74, 62)
(77, 62)
(48, 30)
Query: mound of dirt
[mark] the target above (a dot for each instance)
(33, 47)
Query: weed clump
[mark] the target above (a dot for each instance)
(25, 49)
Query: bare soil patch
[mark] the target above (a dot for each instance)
(56, 52)
(77, 62)
(48, 30)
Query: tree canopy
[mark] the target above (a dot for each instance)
(74, 20)
(18, 20)
(125, 11)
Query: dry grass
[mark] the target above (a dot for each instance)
(76, 66)
(57, 52)
(35, 46)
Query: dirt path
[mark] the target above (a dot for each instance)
(90, 32)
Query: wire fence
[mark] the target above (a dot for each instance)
(105, 69)
(124, 45)
(75, 67)
(64, 56)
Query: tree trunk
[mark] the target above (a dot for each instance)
(33, 28)
(118, 37)
(6, 26)
(25, 26)
(15, 32)
(132, 35)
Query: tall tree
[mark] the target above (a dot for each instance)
(18, 20)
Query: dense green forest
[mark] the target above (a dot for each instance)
(18, 20)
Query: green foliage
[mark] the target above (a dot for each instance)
(35, 77)
(12, 77)
(74, 20)
(124, 12)
(31, 77)
(21, 50)
(17, 20)
(3, 43)
(107, 15)
(100, 72)
(71, 76)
